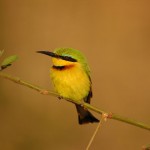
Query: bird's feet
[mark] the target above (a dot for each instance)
(60, 97)
(82, 104)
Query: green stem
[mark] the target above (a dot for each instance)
(27, 84)
(130, 121)
(86, 105)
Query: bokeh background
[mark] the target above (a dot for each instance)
(114, 36)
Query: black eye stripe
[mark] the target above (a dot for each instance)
(67, 58)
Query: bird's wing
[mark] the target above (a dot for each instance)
(87, 99)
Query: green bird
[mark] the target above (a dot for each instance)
(70, 75)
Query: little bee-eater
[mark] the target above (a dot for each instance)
(70, 75)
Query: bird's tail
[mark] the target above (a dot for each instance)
(84, 116)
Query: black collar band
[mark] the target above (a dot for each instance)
(59, 67)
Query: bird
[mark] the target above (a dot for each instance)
(70, 75)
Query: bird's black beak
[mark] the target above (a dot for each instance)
(67, 58)
(48, 53)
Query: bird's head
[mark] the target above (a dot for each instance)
(66, 57)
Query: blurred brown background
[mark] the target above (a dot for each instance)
(114, 36)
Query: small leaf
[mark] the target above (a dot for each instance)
(9, 60)
(1, 52)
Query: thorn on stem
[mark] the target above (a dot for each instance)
(110, 115)
(44, 92)
(105, 116)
